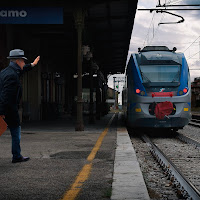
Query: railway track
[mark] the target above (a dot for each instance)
(195, 121)
(188, 140)
(181, 166)
(183, 180)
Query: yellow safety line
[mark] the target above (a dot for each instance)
(77, 185)
(97, 146)
(83, 175)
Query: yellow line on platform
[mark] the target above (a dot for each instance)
(97, 146)
(83, 175)
(77, 185)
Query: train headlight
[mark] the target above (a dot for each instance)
(185, 90)
(137, 91)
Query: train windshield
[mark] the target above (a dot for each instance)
(160, 73)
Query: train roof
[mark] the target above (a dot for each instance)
(158, 55)
(154, 48)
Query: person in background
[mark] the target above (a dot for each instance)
(10, 95)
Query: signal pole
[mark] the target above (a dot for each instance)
(114, 91)
(118, 80)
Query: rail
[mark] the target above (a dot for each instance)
(188, 140)
(195, 122)
(185, 187)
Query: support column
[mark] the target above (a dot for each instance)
(98, 97)
(91, 118)
(114, 92)
(79, 23)
(10, 37)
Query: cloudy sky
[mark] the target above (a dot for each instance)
(184, 36)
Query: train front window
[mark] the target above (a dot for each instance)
(160, 73)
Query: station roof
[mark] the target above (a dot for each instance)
(110, 24)
(107, 30)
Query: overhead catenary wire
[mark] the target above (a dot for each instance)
(191, 44)
(196, 43)
(147, 36)
(173, 2)
(193, 55)
(149, 29)
(170, 2)
(155, 31)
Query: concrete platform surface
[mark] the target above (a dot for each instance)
(128, 182)
(66, 164)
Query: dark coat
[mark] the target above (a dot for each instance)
(11, 92)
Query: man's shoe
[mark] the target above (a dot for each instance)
(22, 159)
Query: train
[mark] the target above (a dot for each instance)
(157, 89)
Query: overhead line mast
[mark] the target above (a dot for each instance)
(164, 7)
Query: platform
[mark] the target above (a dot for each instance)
(97, 163)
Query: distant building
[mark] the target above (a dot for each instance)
(110, 98)
(195, 86)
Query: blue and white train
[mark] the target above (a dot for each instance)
(157, 91)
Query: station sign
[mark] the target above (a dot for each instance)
(29, 15)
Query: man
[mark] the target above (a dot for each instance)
(10, 95)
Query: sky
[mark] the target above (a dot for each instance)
(184, 36)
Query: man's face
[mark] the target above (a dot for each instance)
(21, 63)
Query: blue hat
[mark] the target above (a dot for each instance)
(16, 53)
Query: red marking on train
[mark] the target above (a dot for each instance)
(162, 94)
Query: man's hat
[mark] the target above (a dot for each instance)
(16, 53)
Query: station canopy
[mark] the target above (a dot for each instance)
(107, 30)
